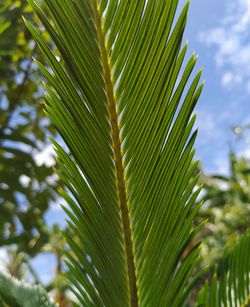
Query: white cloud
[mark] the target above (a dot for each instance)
(46, 156)
(228, 78)
(244, 153)
(231, 41)
(243, 23)
(208, 126)
(222, 165)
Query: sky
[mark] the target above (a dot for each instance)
(219, 32)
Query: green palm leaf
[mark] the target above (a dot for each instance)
(121, 105)
(16, 293)
(230, 285)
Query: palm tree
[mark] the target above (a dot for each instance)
(119, 101)
(119, 98)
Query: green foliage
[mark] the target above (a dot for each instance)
(227, 208)
(57, 246)
(230, 286)
(124, 110)
(16, 293)
(118, 99)
(25, 191)
(14, 263)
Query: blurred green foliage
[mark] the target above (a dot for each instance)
(27, 181)
(26, 187)
(226, 207)
(229, 284)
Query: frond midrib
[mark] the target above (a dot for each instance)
(111, 103)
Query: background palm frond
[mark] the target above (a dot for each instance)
(16, 293)
(230, 285)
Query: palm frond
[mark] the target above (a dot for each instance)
(17, 293)
(123, 108)
(230, 284)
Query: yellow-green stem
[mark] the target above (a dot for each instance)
(118, 160)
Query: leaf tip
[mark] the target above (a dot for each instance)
(24, 20)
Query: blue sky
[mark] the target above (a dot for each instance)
(218, 32)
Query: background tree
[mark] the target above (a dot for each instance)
(227, 208)
(57, 245)
(28, 183)
(26, 187)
